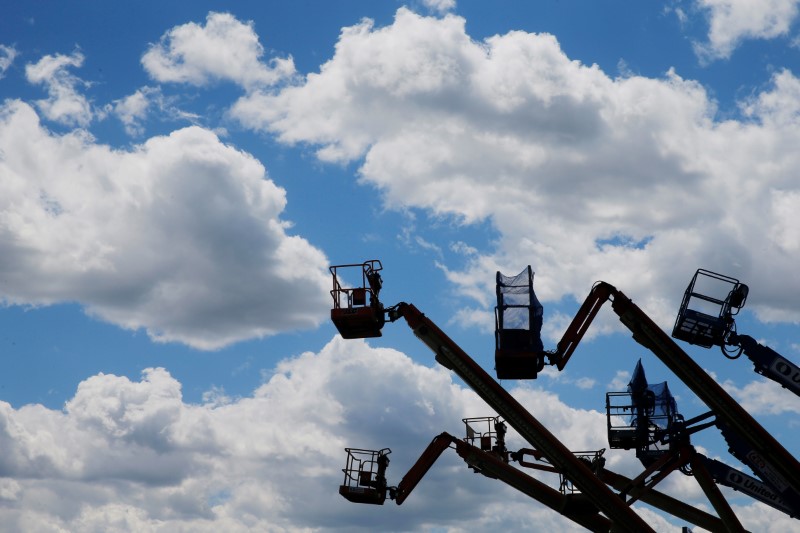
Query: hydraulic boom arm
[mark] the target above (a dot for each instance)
(599, 294)
(363, 316)
(450, 355)
(778, 462)
(415, 474)
(768, 362)
(730, 477)
(490, 465)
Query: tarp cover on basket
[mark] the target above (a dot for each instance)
(519, 353)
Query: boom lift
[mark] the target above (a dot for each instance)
(754, 445)
(519, 353)
(772, 463)
(706, 318)
(451, 356)
(650, 423)
(484, 452)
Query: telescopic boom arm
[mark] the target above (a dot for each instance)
(358, 313)
(768, 362)
(491, 465)
(451, 356)
(777, 466)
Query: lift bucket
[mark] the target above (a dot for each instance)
(638, 417)
(365, 476)
(488, 433)
(709, 303)
(357, 313)
(519, 353)
(623, 433)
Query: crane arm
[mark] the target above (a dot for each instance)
(599, 294)
(730, 477)
(451, 356)
(434, 450)
(706, 482)
(768, 362)
(491, 465)
(727, 410)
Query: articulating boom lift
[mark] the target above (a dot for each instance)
(772, 463)
(451, 356)
(705, 325)
(647, 419)
(485, 453)
(748, 440)
(706, 319)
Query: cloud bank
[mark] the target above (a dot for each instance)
(180, 236)
(632, 180)
(133, 456)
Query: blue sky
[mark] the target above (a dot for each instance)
(175, 179)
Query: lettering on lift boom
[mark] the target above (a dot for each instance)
(752, 486)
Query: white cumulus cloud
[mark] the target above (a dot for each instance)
(7, 55)
(764, 397)
(440, 6)
(732, 21)
(132, 110)
(129, 455)
(65, 104)
(631, 180)
(181, 235)
(222, 49)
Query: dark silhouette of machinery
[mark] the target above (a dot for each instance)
(639, 417)
(646, 418)
(483, 450)
(519, 353)
(652, 426)
(357, 312)
(365, 476)
(706, 318)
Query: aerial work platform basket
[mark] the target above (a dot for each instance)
(357, 313)
(641, 417)
(488, 433)
(519, 353)
(709, 304)
(365, 476)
